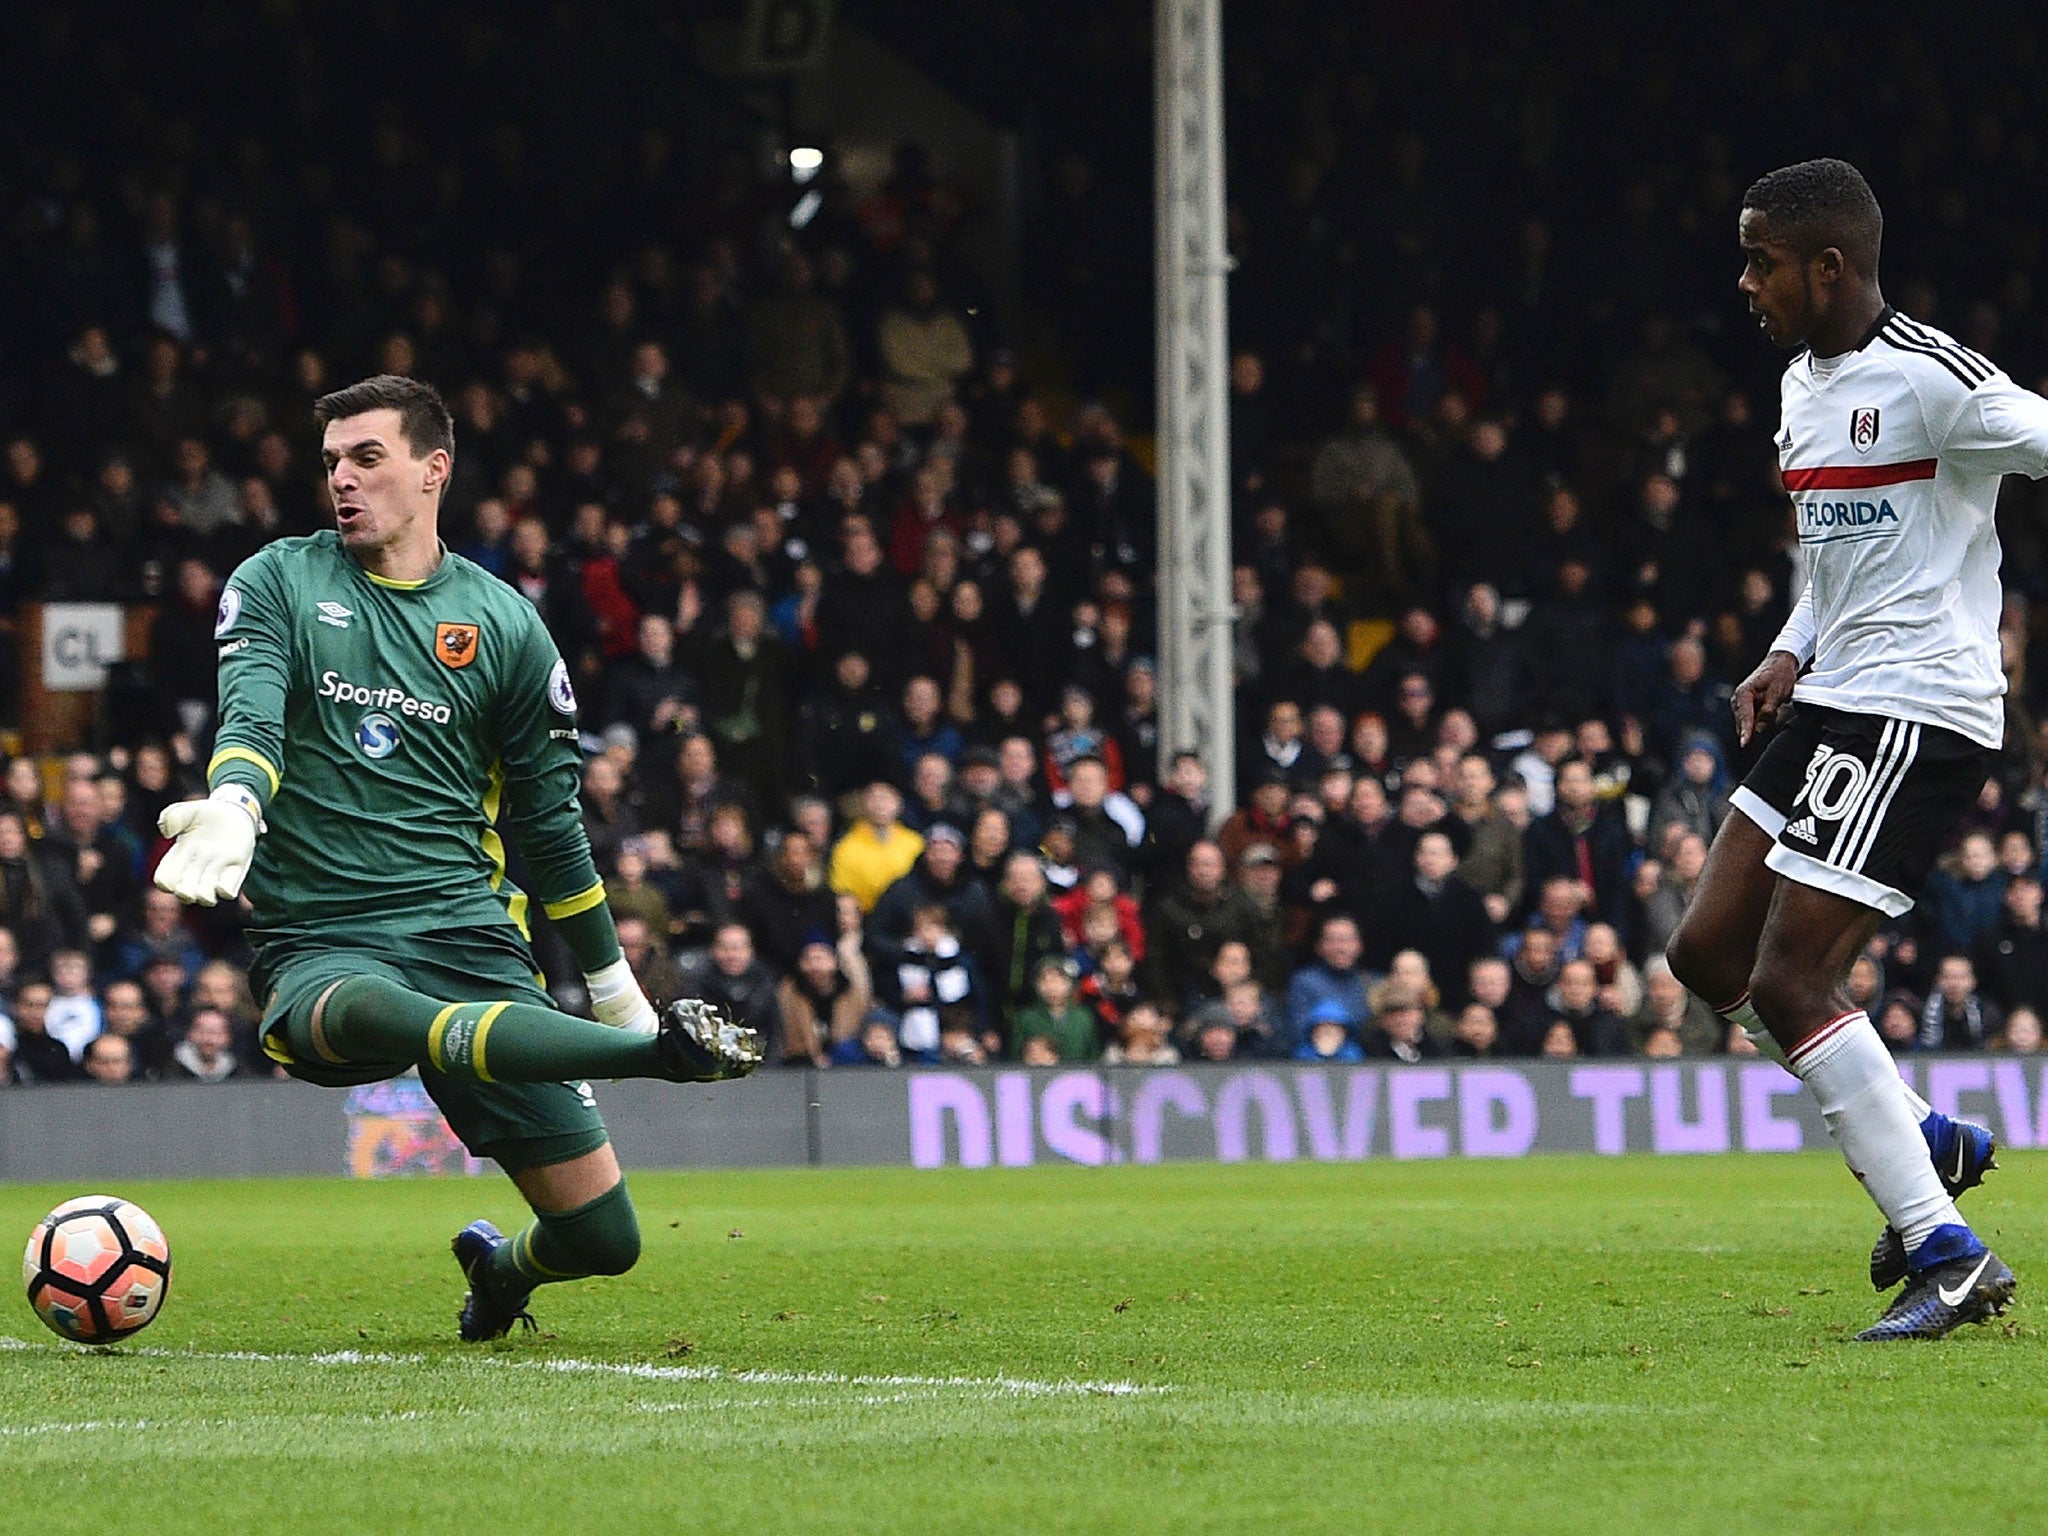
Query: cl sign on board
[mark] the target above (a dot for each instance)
(80, 641)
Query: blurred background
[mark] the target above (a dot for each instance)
(803, 360)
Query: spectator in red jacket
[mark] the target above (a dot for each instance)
(1098, 887)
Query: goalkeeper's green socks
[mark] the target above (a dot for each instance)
(370, 1019)
(600, 1238)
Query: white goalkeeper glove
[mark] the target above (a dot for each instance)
(215, 840)
(616, 999)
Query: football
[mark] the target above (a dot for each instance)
(97, 1269)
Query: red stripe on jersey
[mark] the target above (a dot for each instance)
(1858, 477)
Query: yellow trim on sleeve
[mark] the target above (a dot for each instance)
(483, 1028)
(573, 905)
(494, 792)
(244, 755)
(435, 1034)
(494, 850)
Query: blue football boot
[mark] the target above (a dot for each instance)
(1973, 1286)
(484, 1315)
(1963, 1153)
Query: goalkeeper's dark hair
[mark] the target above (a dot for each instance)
(1820, 203)
(423, 419)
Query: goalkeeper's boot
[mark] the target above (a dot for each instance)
(485, 1314)
(1963, 1153)
(1974, 1286)
(700, 1045)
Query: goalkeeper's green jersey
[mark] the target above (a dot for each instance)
(385, 725)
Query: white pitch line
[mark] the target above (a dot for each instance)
(83, 1427)
(994, 1386)
(1009, 1386)
(130, 1426)
(808, 1400)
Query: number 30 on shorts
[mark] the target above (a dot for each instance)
(1834, 782)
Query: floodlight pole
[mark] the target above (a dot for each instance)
(1195, 614)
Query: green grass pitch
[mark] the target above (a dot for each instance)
(1558, 1344)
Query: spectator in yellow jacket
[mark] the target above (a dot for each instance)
(877, 850)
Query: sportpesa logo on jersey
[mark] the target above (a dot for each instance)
(377, 735)
(338, 688)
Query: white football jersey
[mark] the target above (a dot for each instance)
(1892, 456)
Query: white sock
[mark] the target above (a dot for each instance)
(1742, 1014)
(1856, 1083)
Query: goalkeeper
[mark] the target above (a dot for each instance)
(381, 701)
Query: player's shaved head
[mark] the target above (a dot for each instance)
(1820, 203)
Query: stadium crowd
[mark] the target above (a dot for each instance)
(862, 609)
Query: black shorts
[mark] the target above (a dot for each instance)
(1861, 805)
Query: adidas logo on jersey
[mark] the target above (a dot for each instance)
(1804, 830)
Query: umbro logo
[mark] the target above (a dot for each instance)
(335, 614)
(1804, 830)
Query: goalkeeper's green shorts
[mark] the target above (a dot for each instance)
(518, 1125)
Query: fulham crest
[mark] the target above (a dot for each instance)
(1863, 428)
